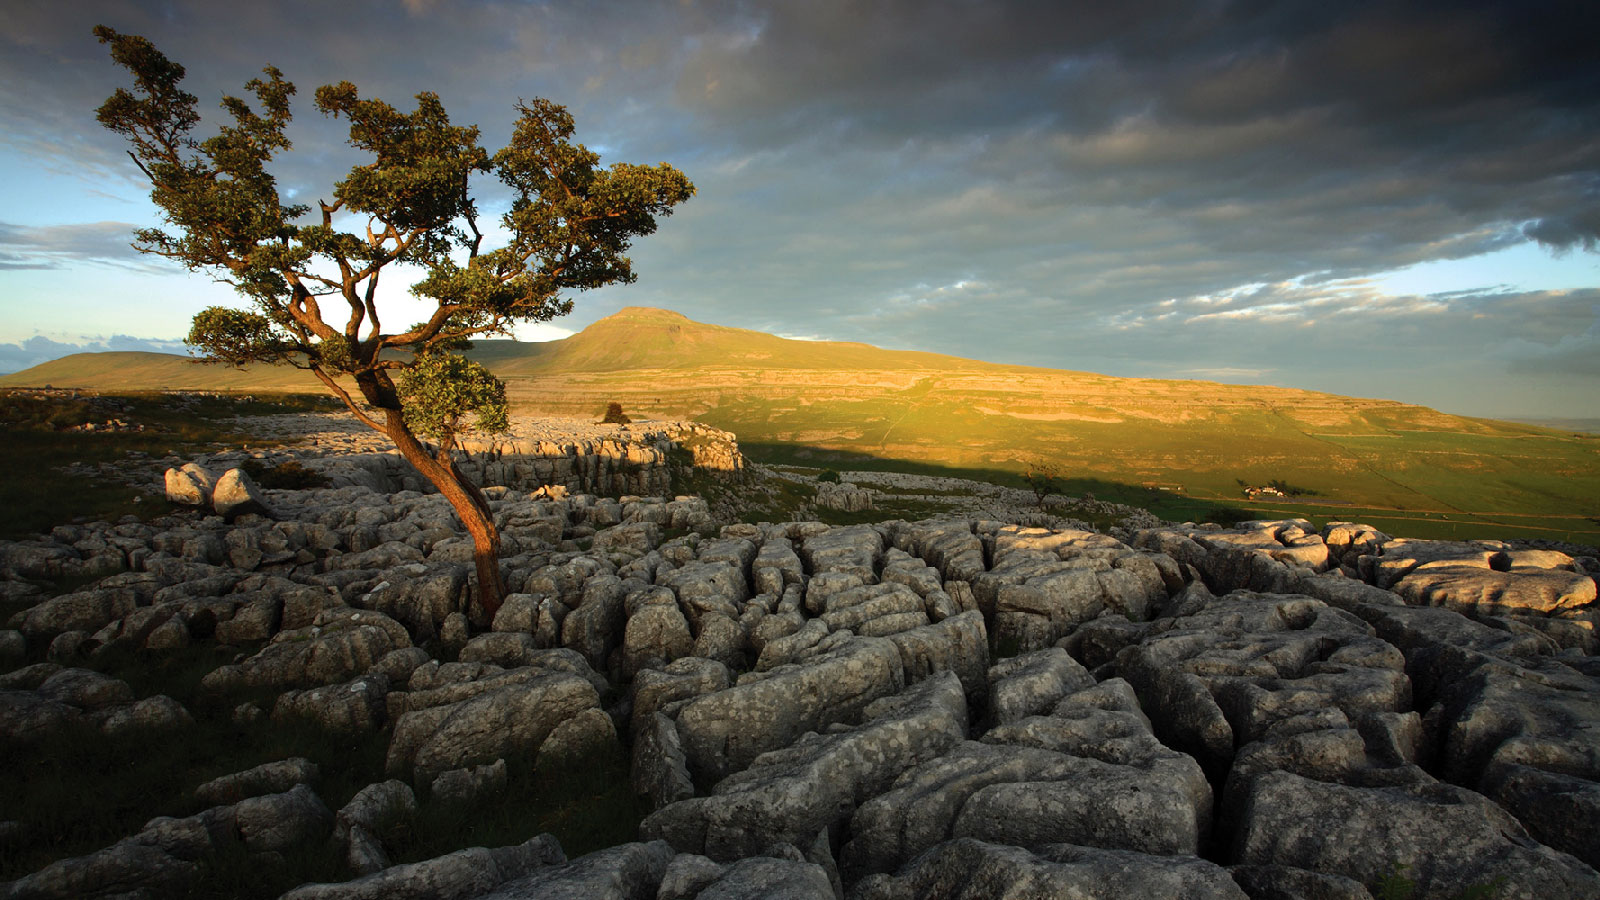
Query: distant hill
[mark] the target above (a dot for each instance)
(1185, 448)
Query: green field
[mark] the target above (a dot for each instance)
(1184, 449)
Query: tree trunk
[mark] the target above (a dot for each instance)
(467, 500)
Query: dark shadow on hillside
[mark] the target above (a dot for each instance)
(1167, 504)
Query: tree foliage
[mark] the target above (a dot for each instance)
(442, 389)
(614, 415)
(1044, 481)
(312, 274)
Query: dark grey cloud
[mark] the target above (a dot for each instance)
(1019, 181)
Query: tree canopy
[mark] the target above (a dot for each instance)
(311, 274)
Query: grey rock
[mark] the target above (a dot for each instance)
(660, 770)
(87, 610)
(13, 648)
(1289, 883)
(754, 878)
(1484, 592)
(656, 632)
(85, 689)
(189, 486)
(25, 716)
(397, 665)
(28, 678)
(853, 550)
(816, 782)
(723, 732)
(1091, 773)
(681, 679)
(1032, 684)
(354, 707)
(267, 778)
(635, 539)
(162, 859)
(152, 716)
(463, 786)
(1525, 736)
(624, 872)
(857, 608)
(280, 821)
(513, 718)
(968, 869)
(1224, 675)
(587, 736)
(951, 547)
(236, 495)
(517, 613)
(595, 625)
(1451, 838)
(704, 587)
(257, 620)
(958, 644)
(460, 875)
(723, 639)
(345, 643)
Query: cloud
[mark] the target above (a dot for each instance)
(1074, 166)
(57, 246)
(40, 349)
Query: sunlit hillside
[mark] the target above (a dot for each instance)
(1184, 448)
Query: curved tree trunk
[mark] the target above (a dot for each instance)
(468, 501)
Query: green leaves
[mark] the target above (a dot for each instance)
(314, 283)
(419, 177)
(441, 389)
(236, 337)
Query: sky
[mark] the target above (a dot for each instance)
(1387, 199)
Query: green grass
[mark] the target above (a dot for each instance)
(37, 495)
(851, 405)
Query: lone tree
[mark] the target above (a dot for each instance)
(1044, 481)
(312, 276)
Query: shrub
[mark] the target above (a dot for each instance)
(615, 415)
(290, 475)
(829, 476)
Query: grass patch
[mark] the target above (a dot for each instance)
(587, 806)
(37, 495)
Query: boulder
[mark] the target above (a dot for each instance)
(272, 822)
(1090, 773)
(237, 495)
(816, 782)
(725, 731)
(1450, 838)
(656, 632)
(343, 644)
(1032, 684)
(510, 718)
(267, 778)
(351, 708)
